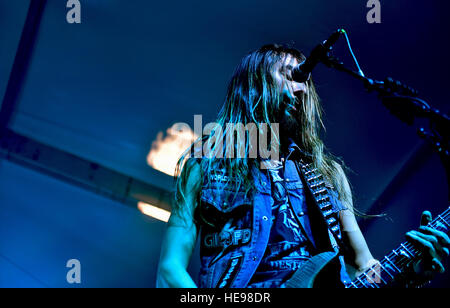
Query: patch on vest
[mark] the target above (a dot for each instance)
(230, 273)
(227, 238)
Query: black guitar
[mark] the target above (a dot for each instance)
(378, 276)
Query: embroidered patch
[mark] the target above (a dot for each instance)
(219, 177)
(227, 238)
(230, 273)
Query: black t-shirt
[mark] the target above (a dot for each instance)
(288, 247)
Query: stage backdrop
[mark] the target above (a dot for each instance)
(104, 89)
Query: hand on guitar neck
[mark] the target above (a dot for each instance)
(434, 247)
(415, 262)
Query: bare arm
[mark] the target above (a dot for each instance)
(179, 240)
(363, 256)
(352, 232)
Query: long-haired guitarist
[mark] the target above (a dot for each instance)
(263, 218)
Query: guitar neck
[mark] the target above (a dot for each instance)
(384, 273)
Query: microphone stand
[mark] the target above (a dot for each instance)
(402, 101)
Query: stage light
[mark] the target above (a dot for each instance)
(166, 151)
(153, 211)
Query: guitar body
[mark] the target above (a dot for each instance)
(321, 270)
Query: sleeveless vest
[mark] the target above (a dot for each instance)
(231, 249)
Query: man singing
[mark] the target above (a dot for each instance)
(261, 220)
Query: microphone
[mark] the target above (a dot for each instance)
(302, 72)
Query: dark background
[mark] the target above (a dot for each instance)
(103, 89)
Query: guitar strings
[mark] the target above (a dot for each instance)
(399, 260)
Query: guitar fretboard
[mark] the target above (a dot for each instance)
(383, 273)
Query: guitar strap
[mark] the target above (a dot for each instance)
(318, 189)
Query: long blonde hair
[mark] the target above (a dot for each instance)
(253, 96)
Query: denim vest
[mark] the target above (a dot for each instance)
(231, 251)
